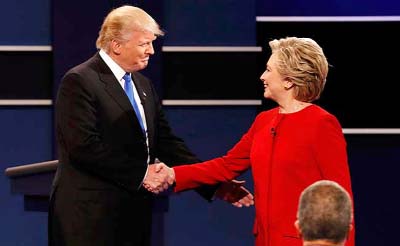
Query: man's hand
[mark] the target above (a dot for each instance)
(159, 177)
(234, 193)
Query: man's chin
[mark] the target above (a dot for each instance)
(143, 65)
(140, 67)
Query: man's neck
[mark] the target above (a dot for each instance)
(321, 243)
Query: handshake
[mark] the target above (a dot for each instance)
(159, 177)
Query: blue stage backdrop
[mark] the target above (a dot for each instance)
(71, 28)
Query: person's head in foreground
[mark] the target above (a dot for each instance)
(324, 215)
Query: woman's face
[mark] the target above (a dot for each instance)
(274, 82)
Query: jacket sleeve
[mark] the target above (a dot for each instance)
(221, 169)
(331, 155)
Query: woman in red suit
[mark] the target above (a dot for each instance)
(287, 148)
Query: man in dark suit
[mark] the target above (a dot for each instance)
(110, 128)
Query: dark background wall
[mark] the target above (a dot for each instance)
(25, 131)
(71, 27)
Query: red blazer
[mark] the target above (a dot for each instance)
(286, 152)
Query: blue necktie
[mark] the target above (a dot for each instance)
(129, 92)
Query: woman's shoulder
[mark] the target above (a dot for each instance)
(323, 117)
(319, 112)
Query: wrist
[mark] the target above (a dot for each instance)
(173, 174)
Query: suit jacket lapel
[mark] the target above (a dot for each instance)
(114, 89)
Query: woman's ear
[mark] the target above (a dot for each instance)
(288, 84)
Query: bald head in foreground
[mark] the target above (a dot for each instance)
(324, 215)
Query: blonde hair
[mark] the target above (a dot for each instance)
(121, 22)
(302, 61)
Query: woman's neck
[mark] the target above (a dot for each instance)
(292, 106)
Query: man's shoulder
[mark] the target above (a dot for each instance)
(84, 72)
(91, 63)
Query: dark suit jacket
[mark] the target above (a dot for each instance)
(96, 197)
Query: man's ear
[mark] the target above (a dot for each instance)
(351, 224)
(296, 224)
(348, 233)
(115, 47)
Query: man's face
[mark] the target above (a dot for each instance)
(134, 54)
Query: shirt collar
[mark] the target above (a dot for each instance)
(115, 68)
